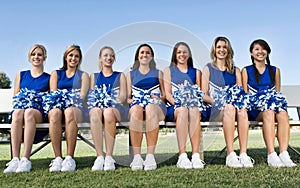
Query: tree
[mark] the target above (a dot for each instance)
(4, 81)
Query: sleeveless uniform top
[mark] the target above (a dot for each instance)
(112, 80)
(144, 81)
(220, 79)
(263, 95)
(178, 77)
(64, 82)
(40, 84)
(265, 80)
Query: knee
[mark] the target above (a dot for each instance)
(95, 115)
(18, 116)
(109, 115)
(55, 116)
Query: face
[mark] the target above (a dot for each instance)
(258, 53)
(182, 54)
(37, 57)
(73, 59)
(107, 57)
(221, 50)
(145, 55)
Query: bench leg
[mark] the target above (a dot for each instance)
(86, 141)
(221, 152)
(40, 147)
(294, 150)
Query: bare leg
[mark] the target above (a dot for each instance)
(229, 127)
(181, 116)
(110, 119)
(268, 118)
(136, 128)
(72, 116)
(243, 128)
(95, 115)
(283, 130)
(55, 130)
(16, 131)
(194, 129)
(31, 117)
(153, 115)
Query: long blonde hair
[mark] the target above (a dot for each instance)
(229, 64)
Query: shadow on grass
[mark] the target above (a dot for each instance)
(259, 155)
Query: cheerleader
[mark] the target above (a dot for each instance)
(262, 81)
(221, 81)
(105, 102)
(185, 103)
(66, 101)
(29, 88)
(146, 99)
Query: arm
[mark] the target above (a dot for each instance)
(277, 80)
(205, 85)
(245, 80)
(17, 84)
(161, 84)
(238, 76)
(198, 78)
(168, 86)
(92, 81)
(129, 97)
(123, 88)
(85, 84)
(53, 81)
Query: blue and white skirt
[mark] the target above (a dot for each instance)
(268, 99)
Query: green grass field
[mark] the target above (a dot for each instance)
(167, 175)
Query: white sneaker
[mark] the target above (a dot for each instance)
(246, 161)
(56, 164)
(286, 160)
(232, 160)
(137, 163)
(197, 163)
(150, 163)
(12, 165)
(184, 162)
(24, 165)
(98, 164)
(274, 160)
(68, 164)
(109, 163)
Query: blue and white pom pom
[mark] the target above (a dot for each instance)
(268, 99)
(28, 99)
(144, 97)
(234, 95)
(188, 95)
(103, 97)
(63, 99)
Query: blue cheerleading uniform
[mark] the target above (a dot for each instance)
(143, 86)
(68, 93)
(32, 91)
(185, 91)
(105, 92)
(223, 90)
(263, 95)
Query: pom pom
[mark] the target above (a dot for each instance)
(188, 95)
(103, 97)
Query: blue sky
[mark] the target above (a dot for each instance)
(59, 23)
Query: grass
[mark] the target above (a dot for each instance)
(167, 175)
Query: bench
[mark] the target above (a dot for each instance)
(289, 91)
